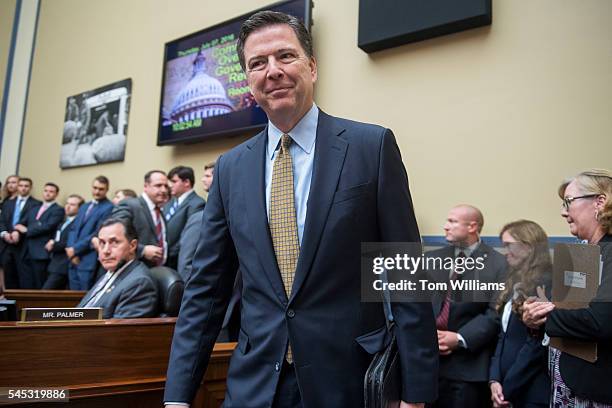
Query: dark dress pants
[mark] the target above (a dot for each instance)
(462, 394)
(287, 391)
(10, 258)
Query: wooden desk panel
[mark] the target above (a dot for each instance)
(117, 362)
(44, 298)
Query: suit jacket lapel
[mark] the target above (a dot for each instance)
(147, 213)
(255, 167)
(330, 151)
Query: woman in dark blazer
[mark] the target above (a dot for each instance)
(587, 208)
(517, 373)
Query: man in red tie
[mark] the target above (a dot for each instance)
(145, 214)
(466, 321)
(39, 226)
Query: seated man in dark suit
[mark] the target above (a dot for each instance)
(145, 214)
(467, 322)
(184, 203)
(57, 270)
(127, 289)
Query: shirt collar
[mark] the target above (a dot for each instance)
(467, 250)
(183, 197)
(121, 269)
(150, 203)
(304, 133)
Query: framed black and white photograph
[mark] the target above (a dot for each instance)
(95, 125)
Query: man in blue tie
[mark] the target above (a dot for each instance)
(79, 249)
(13, 214)
(184, 203)
(56, 247)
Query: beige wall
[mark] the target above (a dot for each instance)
(7, 14)
(495, 116)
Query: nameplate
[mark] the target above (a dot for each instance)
(45, 314)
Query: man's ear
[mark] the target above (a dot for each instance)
(133, 245)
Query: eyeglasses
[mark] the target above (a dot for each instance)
(567, 201)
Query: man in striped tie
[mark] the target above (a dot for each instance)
(145, 214)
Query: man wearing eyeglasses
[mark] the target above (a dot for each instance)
(466, 322)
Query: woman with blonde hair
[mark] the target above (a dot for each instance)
(577, 383)
(517, 373)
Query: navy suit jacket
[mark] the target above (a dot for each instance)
(472, 314)
(8, 208)
(84, 230)
(59, 260)
(41, 231)
(359, 193)
(520, 365)
(175, 225)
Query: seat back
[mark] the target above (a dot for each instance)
(170, 286)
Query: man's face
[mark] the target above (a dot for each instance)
(24, 187)
(98, 190)
(11, 184)
(178, 186)
(49, 193)
(157, 188)
(279, 73)
(72, 206)
(114, 248)
(457, 227)
(207, 179)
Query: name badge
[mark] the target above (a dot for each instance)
(40, 314)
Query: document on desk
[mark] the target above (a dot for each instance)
(576, 278)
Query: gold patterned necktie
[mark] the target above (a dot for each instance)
(283, 221)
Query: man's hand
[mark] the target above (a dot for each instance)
(412, 404)
(7, 238)
(70, 252)
(152, 253)
(535, 311)
(75, 260)
(15, 237)
(49, 245)
(497, 395)
(21, 228)
(447, 342)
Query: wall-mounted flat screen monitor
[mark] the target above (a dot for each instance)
(204, 90)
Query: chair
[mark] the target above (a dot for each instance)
(170, 287)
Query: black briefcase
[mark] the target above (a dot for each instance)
(383, 380)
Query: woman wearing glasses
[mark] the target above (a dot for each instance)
(517, 373)
(587, 208)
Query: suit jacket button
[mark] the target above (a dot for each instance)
(277, 366)
(291, 313)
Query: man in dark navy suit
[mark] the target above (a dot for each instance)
(57, 270)
(14, 213)
(290, 208)
(38, 227)
(184, 203)
(79, 249)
